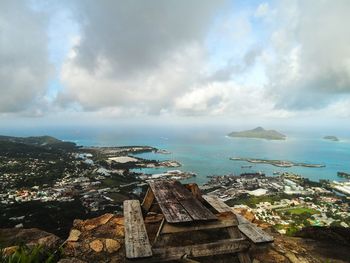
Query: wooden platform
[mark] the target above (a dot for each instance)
(182, 209)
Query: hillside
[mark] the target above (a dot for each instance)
(101, 239)
(259, 133)
(35, 141)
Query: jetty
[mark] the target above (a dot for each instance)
(176, 222)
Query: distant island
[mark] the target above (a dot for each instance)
(331, 138)
(278, 163)
(259, 133)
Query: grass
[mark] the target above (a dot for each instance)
(25, 254)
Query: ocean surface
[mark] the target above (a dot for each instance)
(206, 151)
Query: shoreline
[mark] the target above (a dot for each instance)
(277, 163)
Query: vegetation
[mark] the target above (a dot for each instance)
(252, 201)
(24, 254)
(259, 133)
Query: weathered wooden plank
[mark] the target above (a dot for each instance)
(148, 200)
(194, 207)
(217, 204)
(174, 212)
(171, 228)
(201, 250)
(162, 191)
(196, 192)
(137, 244)
(171, 195)
(197, 210)
(255, 234)
(241, 219)
(243, 257)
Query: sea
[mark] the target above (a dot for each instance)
(206, 150)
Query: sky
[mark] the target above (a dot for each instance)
(186, 60)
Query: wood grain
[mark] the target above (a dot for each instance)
(137, 244)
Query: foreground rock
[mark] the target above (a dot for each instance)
(11, 238)
(99, 239)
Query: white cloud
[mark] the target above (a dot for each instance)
(24, 66)
(310, 54)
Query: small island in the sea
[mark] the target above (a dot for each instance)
(278, 163)
(331, 138)
(343, 175)
(259, 133)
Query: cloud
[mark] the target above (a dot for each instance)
(233, 67)
(308, 61)
(138, 35)
(136, 54)
(149, 91)
(24, 66)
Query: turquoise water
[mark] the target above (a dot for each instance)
(207, 151)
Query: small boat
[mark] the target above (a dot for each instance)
(246, 166)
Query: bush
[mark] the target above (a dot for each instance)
(24, 254)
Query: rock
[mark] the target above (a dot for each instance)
(95, 222)
(96, 245)
(112, 245)
(74, 235)
(50, 241)
(247, 214)
(31, 237)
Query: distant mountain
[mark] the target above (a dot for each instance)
(41, 141)
(259, 133)
(331, 138)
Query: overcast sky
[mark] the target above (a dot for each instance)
(181, 59)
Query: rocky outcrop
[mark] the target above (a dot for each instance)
(96, 240)
(101, 239)
(11, 238)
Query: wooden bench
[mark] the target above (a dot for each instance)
(137, 244)
(251, 231)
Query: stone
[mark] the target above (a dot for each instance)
(119, 231)
(74, 235)
(96, 245)
(50, 241)
(112, 245)
(98, 221)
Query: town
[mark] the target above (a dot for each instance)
(289, 202)
(95, 180)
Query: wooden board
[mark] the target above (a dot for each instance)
(197, 210)
(137, 244)
(171, 228)
(255, 234)
(227, 246)
(243, 257)
(148, 200)
(241, 219)
(217, 204)
(178, 204)
(162, 191)
(174, 213)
